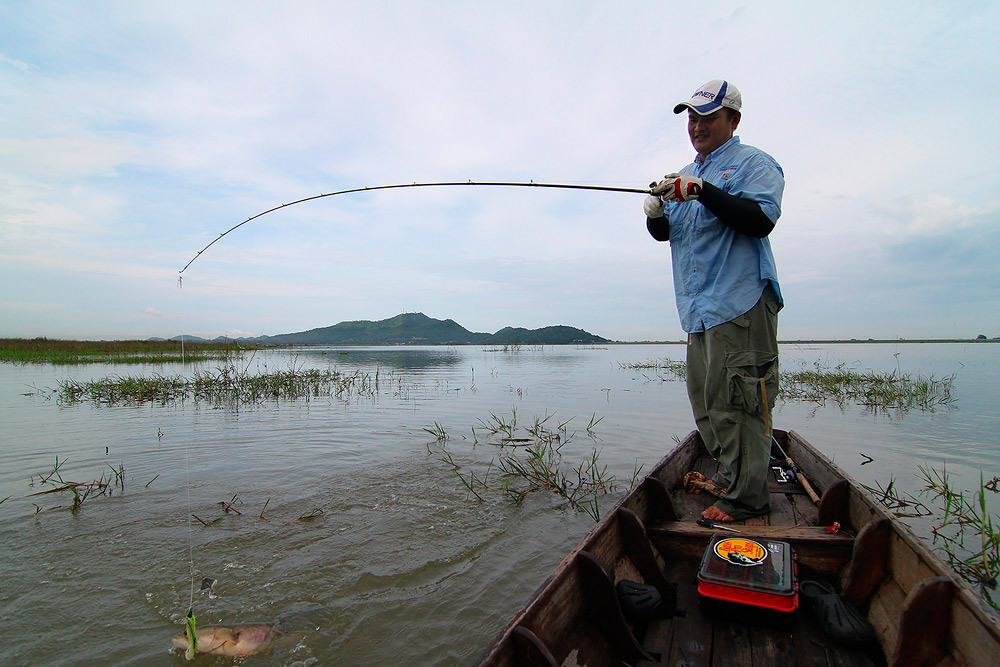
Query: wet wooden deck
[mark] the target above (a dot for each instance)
(693, 638)
(696, 639)
(920, 611)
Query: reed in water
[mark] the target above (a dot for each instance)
(841, 385)
(961, 528)
(529, 460)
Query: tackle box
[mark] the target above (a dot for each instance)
(744, 577)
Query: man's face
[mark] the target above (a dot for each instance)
(709, 132)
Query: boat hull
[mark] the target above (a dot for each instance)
(651, 537)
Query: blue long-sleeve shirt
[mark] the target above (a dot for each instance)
(719, 274)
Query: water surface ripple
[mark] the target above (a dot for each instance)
(399, 565)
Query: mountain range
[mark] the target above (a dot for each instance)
(418, 329)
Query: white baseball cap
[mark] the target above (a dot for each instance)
(713, 96)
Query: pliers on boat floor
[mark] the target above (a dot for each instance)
(708, 523)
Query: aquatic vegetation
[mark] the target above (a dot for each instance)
(229, 507)
(530, 460)
(840, 385)
(438, 432)
(115, 390)
(506, 348)
(314, 513)
(962, 517)
(962, 530)
(541, 469)
(63, 352)
(81, 491)
(877, 391)
(225, 384)
(665, 369)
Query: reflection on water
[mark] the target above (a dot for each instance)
(399, 565)
(401, 358)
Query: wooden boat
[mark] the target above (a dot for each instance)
(921, 611)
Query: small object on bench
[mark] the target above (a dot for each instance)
(708, 523)
(695, 482)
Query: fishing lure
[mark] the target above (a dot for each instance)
(192, 633)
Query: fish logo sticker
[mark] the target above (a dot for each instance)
(739, 551)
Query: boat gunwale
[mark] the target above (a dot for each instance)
(561, 571)
(965, 597)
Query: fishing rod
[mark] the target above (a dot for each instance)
(530, 184)
(799, 475)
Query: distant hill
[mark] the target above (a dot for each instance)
(418, 329)
(556, 335)
(405, 329)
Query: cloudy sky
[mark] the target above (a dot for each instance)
(132, 134)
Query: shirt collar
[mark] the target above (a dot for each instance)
(732, 142)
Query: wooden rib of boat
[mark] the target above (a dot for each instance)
(921, 611)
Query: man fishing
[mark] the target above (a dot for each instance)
(717, 213)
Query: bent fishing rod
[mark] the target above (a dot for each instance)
(530, 184)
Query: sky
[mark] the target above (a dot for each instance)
(133, 134)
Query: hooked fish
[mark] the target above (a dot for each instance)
(232, 640)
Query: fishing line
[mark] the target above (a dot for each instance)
(187, 485)
(190, 624)
(530, 184)
(189, 620)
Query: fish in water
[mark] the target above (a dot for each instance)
(232, 640)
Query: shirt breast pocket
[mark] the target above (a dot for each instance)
(726, 175)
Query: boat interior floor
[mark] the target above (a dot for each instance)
(693, 637)
(790, 506)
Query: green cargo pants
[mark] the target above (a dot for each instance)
(725, 366)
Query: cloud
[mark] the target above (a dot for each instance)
(15, 63)
(136, 134)
(68, 158)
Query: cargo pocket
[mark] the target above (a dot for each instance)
(744, 371)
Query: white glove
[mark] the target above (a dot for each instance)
(685, 187)
(653, 206)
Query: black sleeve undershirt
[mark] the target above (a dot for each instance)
(659, 228)
(741, 215)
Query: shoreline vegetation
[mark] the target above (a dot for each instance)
(68, 352)
(233, 382)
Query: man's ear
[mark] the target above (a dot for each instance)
(735, 119)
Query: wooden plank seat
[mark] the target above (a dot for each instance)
(819, 552)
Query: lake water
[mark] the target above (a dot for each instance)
(402, 566)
